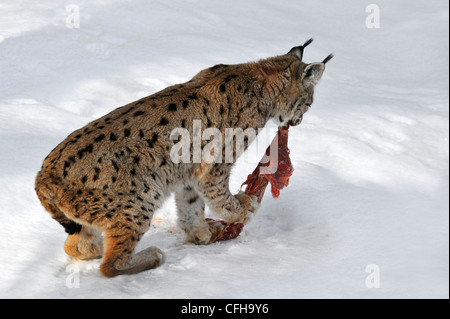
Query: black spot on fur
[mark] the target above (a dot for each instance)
(87, 149)
(218, 66)
(127, 111)
(84, 179)
(164, 121)
(141, 133)
(222, 88)
(127, 132)
(230, 77)
(116, 167)
(138, 113)
(66, 165)
(193, 96)
(193, 200)
(154, 139)
(99, 138)
(172, 107)
(112, 137)
(185, 104)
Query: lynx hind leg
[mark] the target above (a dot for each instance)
(88, 244)
(119, 253)
(120, 258)
(191, 218)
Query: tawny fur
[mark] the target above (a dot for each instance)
(113, 174)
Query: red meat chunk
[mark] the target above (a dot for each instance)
(274, 168)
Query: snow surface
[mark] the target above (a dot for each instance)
(371, 158)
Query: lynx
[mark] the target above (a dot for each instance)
(110, 176)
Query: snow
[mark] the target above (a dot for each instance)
(371, 157)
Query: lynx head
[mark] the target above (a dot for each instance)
(292, 82)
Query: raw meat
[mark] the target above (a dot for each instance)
(274, 168)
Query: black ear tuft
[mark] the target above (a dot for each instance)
(308, 42)
(298, 51)
(328, 58)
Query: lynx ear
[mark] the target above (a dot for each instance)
(312, 74)
(298, 51)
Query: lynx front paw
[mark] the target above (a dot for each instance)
(249, 205)
(205, 235)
